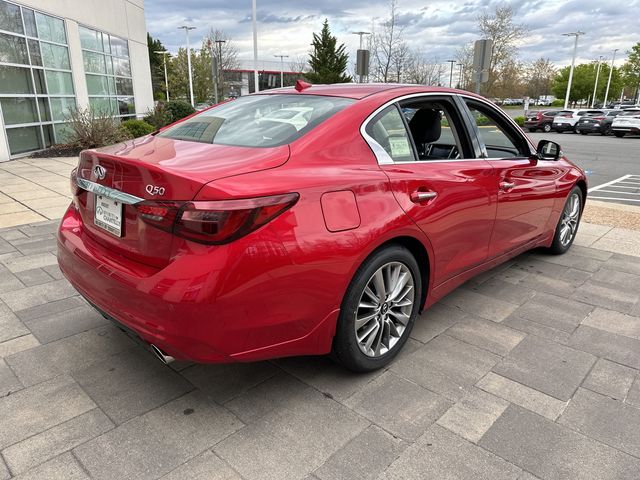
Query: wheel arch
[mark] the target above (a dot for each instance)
(583, 188)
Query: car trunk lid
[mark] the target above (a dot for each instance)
(154, 169)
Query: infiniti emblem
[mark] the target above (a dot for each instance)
(100, 172)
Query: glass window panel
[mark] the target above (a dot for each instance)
(124, 86)
(45, 112)
(62, 132)
(34, 52)
(119, 47)
(98, 85)
(121, 67)
(47, 130)
(50, 28)
(100, 105)
(30, 22)
(109, 64)
(38, 78)
(112, 86)
(114, 106)
(89, 39)
(93, 62)
(10, 17)
(13, 49)
(19, 110)
(61, 107)
(24, 139)
(15, 80)
(59, 83)
(55, 56)
(126, 106)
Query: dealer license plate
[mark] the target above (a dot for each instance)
(108, 215)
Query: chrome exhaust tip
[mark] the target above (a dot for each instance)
(163, 357)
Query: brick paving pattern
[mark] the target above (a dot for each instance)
(528, 371)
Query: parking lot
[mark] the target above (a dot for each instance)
(528, 371)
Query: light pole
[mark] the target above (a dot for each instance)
(595, 87)
(255, 47)
(281, 57)
(361, 34)
(606, 93)
(220, 71)
(164, 54)
(573, 62)
(186, 29)
(452, 62)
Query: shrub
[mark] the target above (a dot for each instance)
(137, 128)
(91, 129)
(557, 103)
(519, 120)
(178, 110)
(159, 116)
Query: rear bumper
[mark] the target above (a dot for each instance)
(562, 127)
(213, 306)
(632, 130)
(589, 128)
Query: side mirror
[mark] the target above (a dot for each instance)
(548, 150)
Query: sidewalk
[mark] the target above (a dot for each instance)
(528, 371)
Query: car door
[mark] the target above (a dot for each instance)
(450, 195)
(526, 185)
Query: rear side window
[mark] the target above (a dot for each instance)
(388, 130)
(258, 120)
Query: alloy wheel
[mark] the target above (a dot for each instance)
(570, 218)
(384, 309)
(547, 127)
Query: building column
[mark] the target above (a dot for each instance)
(77, 64)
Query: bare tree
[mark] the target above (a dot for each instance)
(299, 64)
(419, 71)
(386, 46)
(225, 52)
(464, 55)
(539, 76)
(500, 27)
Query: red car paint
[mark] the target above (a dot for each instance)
(277, 291)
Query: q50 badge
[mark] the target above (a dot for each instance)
(153, 190)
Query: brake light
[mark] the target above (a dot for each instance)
(539, 115)
(598, 118)
(215, 222)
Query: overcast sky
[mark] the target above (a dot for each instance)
(437, 27)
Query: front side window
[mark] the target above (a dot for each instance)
(499, 138)
(257, 121)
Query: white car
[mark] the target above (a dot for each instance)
(297, 116)
(627, 122)
(566, 120)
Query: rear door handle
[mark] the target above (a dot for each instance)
(505, 186)
(419, 197)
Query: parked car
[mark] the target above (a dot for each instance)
(627, 122)
(223, 238)
(540, 120)
(597, 124)
(202, 106)
(566, 120)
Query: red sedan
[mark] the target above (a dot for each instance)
(308, 222)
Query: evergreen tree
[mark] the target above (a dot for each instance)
(328, 63)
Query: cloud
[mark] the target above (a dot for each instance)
(438, 29)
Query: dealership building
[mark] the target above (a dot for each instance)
(58, 55)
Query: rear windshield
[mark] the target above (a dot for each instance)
(258, 120)
(628, 113)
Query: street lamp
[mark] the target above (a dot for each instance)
(186, 30)
(606, 93)
(595, 87)
(220, 71)
(164, 54)
(573, 62)
(255, 47)
(281, 57)
(452, 62)
(361, 34)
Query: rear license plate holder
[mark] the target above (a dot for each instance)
(108, 214)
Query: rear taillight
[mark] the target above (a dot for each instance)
(597, 118)
(539, 115)
(215, 222)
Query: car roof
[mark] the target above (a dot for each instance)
(358, 91)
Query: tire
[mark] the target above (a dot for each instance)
(606, 131)
(582, 132)
(619, 134)
(546, 127)
(570, 218)
(352, 347)
(532, 129)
